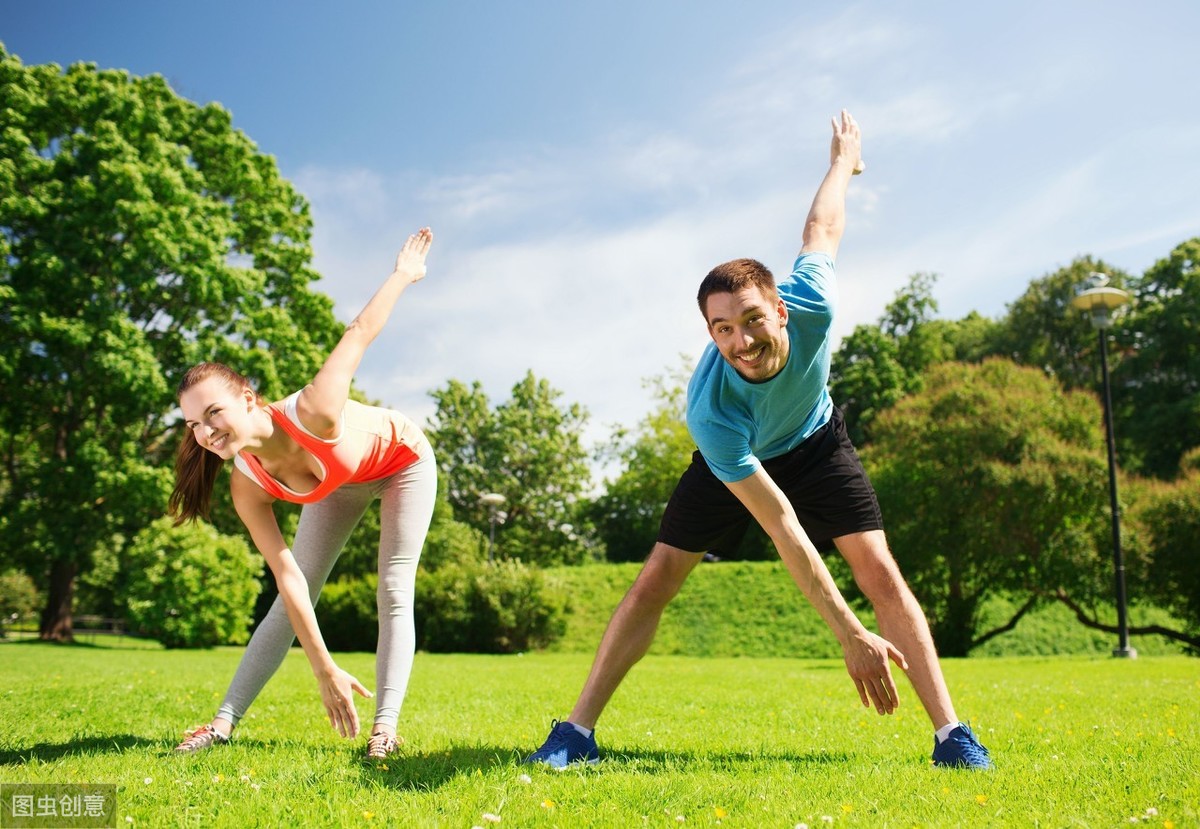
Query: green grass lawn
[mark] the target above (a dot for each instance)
(687, 741)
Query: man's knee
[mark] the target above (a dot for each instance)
(665, 571)
(875, 570)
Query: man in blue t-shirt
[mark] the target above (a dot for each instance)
(773, 448)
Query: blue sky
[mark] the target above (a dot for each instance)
(584, 165)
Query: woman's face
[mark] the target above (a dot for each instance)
(218, 416)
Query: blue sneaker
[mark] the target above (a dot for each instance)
(565, 746)
(961, 750)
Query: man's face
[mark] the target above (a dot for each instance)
(748, 328)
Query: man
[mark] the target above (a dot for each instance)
(772, 446)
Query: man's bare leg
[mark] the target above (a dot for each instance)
(901, 620)
(632, 628)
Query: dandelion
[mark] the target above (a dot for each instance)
(526, 779)
(945, 790)
(547, 804)
(367, 815)
(217, 778)
(490, 818)
(1168, 824)
(719, 812)
(847, 808)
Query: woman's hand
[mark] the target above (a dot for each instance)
(410, 262)
(336, 687)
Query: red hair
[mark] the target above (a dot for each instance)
(196, 468)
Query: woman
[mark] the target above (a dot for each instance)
(333, 455)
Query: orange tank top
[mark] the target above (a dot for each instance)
(392, 442)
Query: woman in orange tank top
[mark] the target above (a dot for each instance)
(334, 455)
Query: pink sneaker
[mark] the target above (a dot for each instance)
(380, 746)
(201, 738)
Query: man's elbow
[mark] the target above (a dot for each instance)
(823, 234)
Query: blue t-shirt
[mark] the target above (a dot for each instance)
(736, 423)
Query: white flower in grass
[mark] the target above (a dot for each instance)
(148, 780)
(680, 818)
(1152, 812)
(525, 778)
(801, 826)
(490, 818)
(129, 818)
(826, 818)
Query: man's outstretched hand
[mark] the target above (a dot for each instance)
(867, 658)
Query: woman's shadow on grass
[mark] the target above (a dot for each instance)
(430, 770)
(82, 746)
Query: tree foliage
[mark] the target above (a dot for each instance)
(528, 449)
(1042, 330)
(1157, 383)
(139, 234)
(991, 479)
(652, 458)
(1166, 520)
(877, 365)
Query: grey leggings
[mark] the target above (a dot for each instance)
(406, 507)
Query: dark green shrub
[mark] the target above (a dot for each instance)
(347, 614)
(191, 586)
(18, 597)
(505, 607)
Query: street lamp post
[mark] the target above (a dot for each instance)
(493, 501)
(1099, 301)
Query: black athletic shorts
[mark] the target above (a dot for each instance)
(822, 477)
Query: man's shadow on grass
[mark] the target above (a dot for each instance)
(430, 770)
(82, 746)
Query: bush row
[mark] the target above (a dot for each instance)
(505, 607)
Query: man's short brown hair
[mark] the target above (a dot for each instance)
(732, 277)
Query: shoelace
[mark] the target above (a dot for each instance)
(381, 745)
(200, 737)
(973, 751)
(557, 738)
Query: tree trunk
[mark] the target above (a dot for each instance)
(953, 633)
(56, 618)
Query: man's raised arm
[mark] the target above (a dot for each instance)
(827, 217)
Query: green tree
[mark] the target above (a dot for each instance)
(1042, 330)
(877, 365)
(1157, 385)
(1164, 563)
(991, 480)
(139, 234)
(528, 449)
(652, 458)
